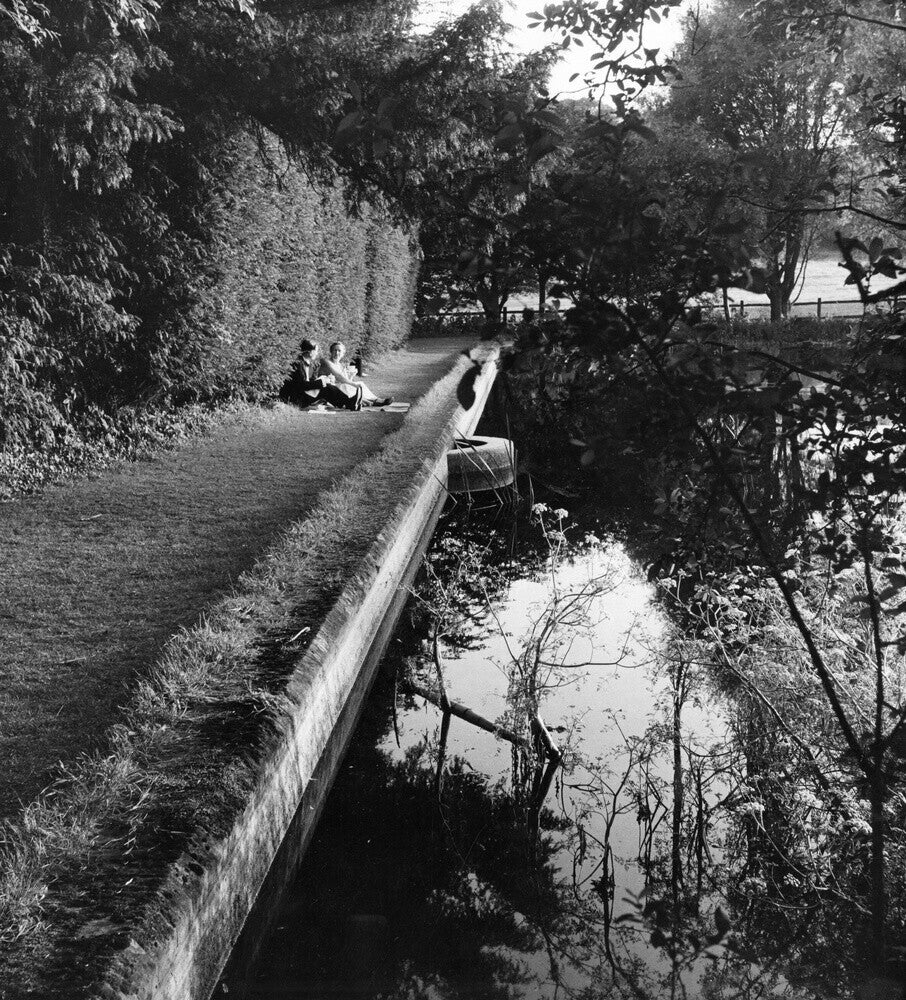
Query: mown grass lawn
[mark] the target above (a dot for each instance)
(97, 574)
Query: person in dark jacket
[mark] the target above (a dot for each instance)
(305, 387)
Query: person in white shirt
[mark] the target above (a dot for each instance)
(346, 378)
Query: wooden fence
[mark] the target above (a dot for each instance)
(817, 308)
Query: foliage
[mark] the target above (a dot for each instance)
(774, 108)
(293, 264)
(123, 153)
(698, 428)
(470, 242)
(804, 333)
(452, 324)
(741, 164)
(754, 485)
(781, 889)
(642, 222)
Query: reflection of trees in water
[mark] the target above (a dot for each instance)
(674, 938)
(408, 895)
(650, 944)
(417, 887)
(707, 832)
(733, 829)
(671, 785)
(467, 569)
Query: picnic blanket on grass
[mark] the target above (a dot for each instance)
(390, 408)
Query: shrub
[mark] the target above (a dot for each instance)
(451, 325)
(393, 272)
(789, 333)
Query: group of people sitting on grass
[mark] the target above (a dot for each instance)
(318, 379)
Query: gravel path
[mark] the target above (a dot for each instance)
(97, 574)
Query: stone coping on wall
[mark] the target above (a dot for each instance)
(205, 917)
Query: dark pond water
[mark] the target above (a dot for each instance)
(437, 873)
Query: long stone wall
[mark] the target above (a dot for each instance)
(206, 918)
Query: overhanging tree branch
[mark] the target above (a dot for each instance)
(765, 550)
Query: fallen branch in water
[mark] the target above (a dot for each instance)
(467, 715)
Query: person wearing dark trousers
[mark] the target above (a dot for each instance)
(305, 387)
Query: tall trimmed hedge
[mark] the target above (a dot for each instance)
(393, 275)
(294, 263)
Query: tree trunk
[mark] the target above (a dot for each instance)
(878, 886)
(792, 254)
(780, 301)
(491, 297)
(542, 291)
(779, 308)
(676, 839)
